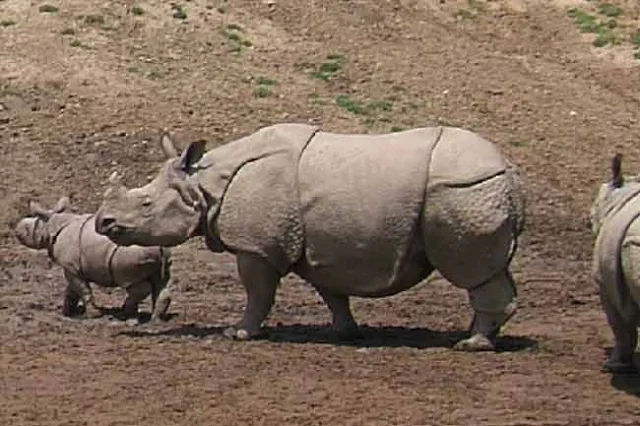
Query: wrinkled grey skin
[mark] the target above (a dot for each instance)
(617, 206)
(172, 209)
(141, 271)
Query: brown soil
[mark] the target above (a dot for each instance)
(81, 96)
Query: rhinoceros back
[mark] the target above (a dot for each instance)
(361, 198)
(85, 253)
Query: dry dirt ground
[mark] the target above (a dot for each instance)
(85, 88)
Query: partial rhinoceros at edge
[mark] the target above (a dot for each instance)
(354, 215)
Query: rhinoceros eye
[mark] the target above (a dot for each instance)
(146, 204)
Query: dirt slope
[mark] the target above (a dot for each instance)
(85, 89)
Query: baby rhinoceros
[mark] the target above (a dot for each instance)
(615, 220)
(86, 256)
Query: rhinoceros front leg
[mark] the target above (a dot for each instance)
(81, 288)
(136, 293)
(625, 335)
(260, 280)
(343, 325)
(493, 302)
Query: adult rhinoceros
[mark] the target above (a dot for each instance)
(354, 215)
(615, 220)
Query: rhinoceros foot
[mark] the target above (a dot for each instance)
(619, 367)
(238, 333)
(475, 343)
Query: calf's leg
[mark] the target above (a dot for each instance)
(82, 288)
(260, 280)
(136, 293)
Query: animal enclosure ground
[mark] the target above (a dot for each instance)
(86, 87)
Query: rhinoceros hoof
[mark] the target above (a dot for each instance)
(234, 333)
(619, 367)
(475, 343)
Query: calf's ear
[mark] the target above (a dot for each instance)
(39, 211)
(62, 204)
(168, 146)
(616, 170)
(192, 155)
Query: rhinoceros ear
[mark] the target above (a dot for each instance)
(191, 155)
(616, 169)
(39, 211)
(62, 204)
(168, 146)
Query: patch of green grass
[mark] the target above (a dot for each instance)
(328, 69)
(635, 39)
(351, 105)
(395, 129)
(48, 8)
(7, 23)
(610, 10)
(585, 21)
(68, 31)
(518, 143)
(588, 23)
(137, 11)
(178, 12)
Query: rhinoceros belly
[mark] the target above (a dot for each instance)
(361, 197)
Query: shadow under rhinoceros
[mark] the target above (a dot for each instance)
(386, 336)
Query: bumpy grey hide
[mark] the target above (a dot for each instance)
(365, 215)
(616, 266)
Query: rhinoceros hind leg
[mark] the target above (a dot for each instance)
(71, 305)
(494, 302)
(343, 325)
(625, 335)
(260, 280)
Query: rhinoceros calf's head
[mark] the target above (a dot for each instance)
(165, 212)
(32, 231)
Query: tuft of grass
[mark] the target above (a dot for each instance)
(7, 23)
(265, 87)
(262, 91)
(266, 81)
(395, 129)
(48, 8)
(610, 10)
(586, 22)
(178, 11)
(635, 39)
(68, 31)
(137, 11)
(97, 20)
(233, 33)
(378, 105)
(328, 69)
(351, 105)
(78, 43)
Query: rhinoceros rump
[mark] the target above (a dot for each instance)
(354, 215)
(86, 256)
(615, 221)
